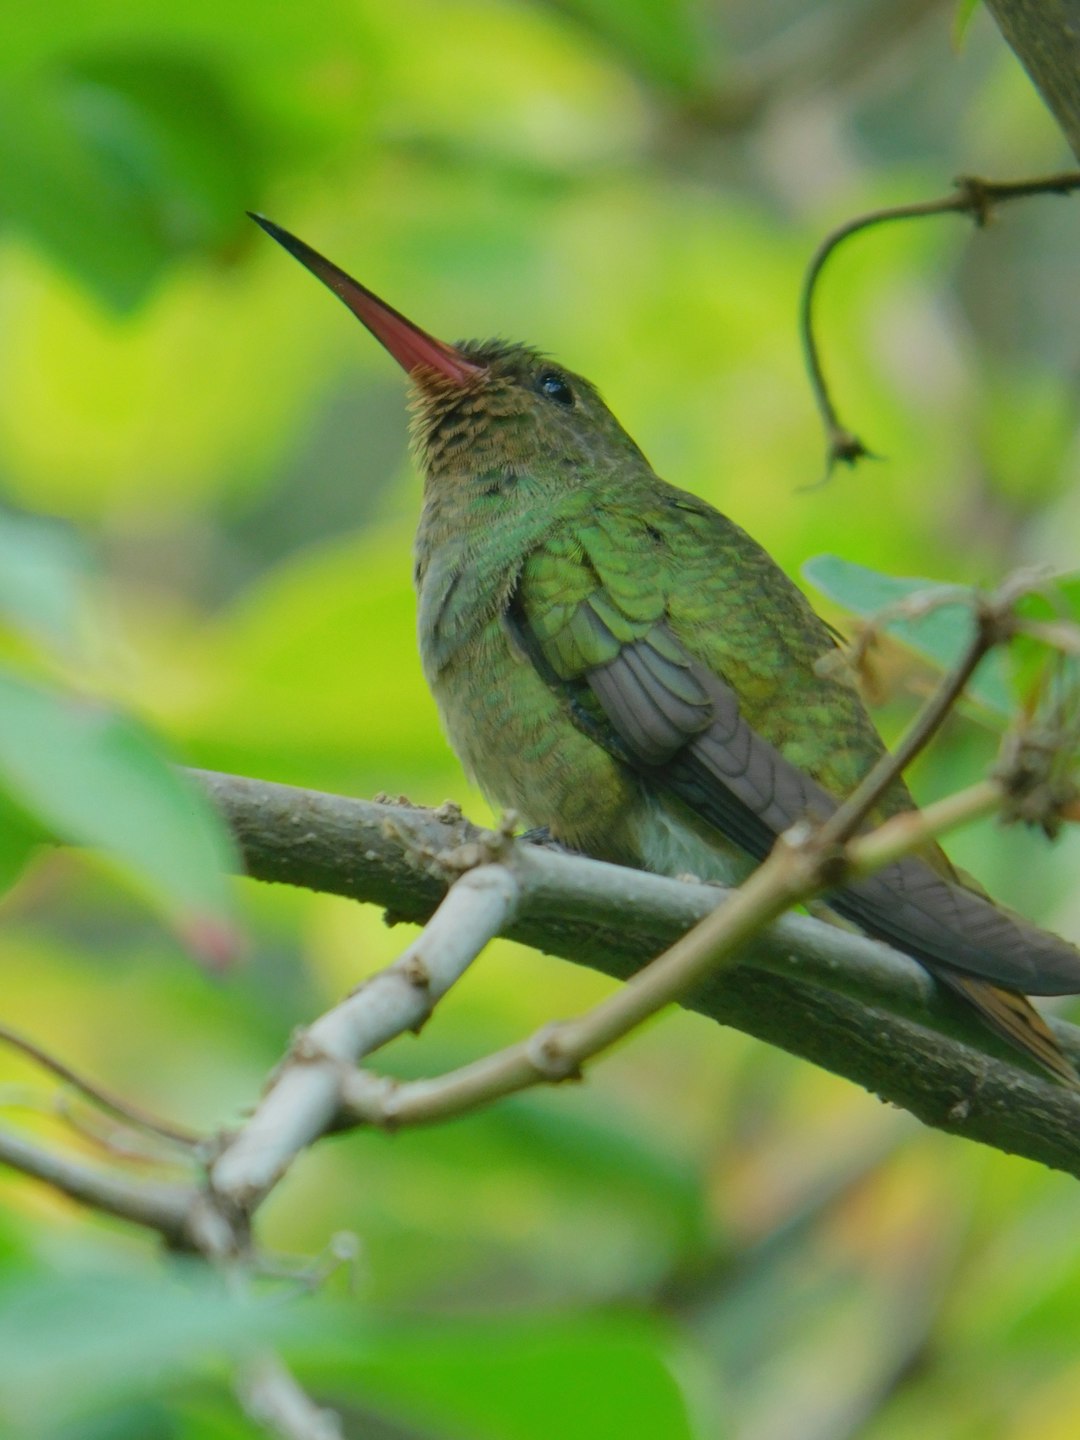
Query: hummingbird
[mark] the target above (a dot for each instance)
(623, 666)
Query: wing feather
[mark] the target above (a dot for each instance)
(655, 707)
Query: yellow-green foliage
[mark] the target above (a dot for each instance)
(706, 1239)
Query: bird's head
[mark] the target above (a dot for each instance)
(481, 406)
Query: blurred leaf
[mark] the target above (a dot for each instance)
(605, 1376)
(662, 39)
(940, 636)
(118, 164)
(314, 673)
(68, 1345)
(20, 837)
(1025, 422)
(171, 126)
(43, 575)
(1043, 675)
(95, 778)
(963, 15)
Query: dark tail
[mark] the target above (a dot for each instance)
(1019, 1022)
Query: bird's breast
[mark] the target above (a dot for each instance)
(515, 735)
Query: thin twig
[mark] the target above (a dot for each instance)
(305, 1096)
(167, 1209)
(105, 1099)
(993, 616)
(908, 832)
(916, 606)
(273, 1398)
(971, 196)
(797, 869)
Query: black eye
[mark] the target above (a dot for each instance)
(554, 386)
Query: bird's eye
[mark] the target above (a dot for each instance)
(554, 386)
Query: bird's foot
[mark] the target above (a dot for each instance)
(541, 835)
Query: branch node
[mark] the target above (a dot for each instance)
(976, 199)
(415, 970)
(306, 1050)
(218, 1231)
(958, 1111)
(547, 1055)
(846, 448)
(370, 1098)
(490, 846)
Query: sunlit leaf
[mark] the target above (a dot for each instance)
(940, 635)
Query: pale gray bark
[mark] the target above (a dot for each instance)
(844, 1002)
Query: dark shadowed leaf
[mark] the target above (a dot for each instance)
(117, 165)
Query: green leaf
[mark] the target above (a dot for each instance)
(118, 165)
(1034, 662)
(962, 18)
(661, 39)
(95, 778)
(605, 1376)
(940, 636)
(43, 580)
(69, 1345)
(20, 837)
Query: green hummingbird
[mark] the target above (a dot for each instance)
(628, 670)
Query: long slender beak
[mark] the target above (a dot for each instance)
(414, 349)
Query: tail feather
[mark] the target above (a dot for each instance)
(1015, 1018)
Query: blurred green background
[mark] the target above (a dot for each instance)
(708, 1239)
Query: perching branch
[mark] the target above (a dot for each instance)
(798, 867)
(304, 1098)
(833, 997)
(972, 196)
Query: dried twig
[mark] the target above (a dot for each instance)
(995, 624)
(167, 1209)
(972, 196)
(104, 1099)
